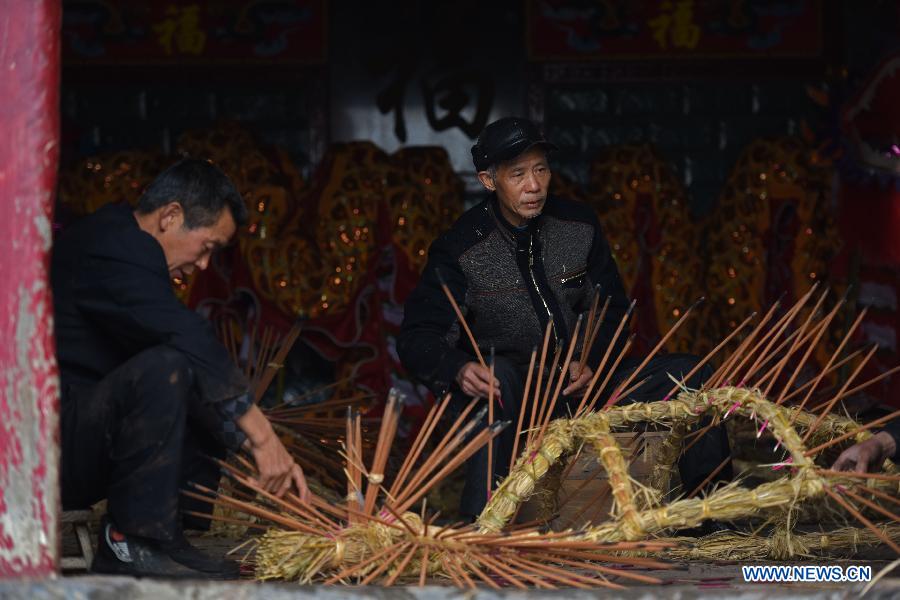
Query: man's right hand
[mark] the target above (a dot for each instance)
(475, 380)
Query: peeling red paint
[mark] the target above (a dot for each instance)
(29, 388)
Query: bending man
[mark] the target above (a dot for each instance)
(148, 392)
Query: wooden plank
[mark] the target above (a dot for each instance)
(76, 516)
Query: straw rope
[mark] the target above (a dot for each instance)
(669, 451)
(727, 503)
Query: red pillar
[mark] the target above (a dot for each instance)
(29, 383)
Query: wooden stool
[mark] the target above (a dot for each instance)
(587, 484)
(79, 520)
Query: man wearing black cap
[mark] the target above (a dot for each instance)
(516, 262)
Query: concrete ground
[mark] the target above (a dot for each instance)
(683, 580)
(696, 581)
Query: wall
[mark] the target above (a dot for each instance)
(700, 126)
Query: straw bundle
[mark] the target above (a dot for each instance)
(357, 541)
(278, 558)
(732, 545)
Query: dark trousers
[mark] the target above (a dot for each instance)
(134, 439)
(694, 465)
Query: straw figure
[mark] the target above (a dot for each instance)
(382, 532)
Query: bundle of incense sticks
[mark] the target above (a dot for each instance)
(262, 352)
(358, 542)
(310, 432)
(374, 537)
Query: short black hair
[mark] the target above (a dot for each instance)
(202, 190)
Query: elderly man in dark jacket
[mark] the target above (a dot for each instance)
(516, 262)
(148, 392)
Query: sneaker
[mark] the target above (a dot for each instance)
(131, 555)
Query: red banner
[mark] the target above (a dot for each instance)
(194, 31)
(562, 30)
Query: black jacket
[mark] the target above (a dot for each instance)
(112, 298)
(508, 282)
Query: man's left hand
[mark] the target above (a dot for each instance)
(867, 455)
(579, 376)
(277, 469)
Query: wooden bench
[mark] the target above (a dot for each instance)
(80, 523)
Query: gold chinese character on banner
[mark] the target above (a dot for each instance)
(181, 31)
(676, 24)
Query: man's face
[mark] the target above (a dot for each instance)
(187, 249)
(521, 185)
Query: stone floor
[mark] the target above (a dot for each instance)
(696, 581)
(684, 580)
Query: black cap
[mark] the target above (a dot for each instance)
(505, 139)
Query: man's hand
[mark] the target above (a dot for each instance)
(475, 380)
(868, 454)
(277, 469)
(579, 376)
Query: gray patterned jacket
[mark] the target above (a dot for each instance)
(508, 282)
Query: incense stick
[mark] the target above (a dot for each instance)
(462, 319)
